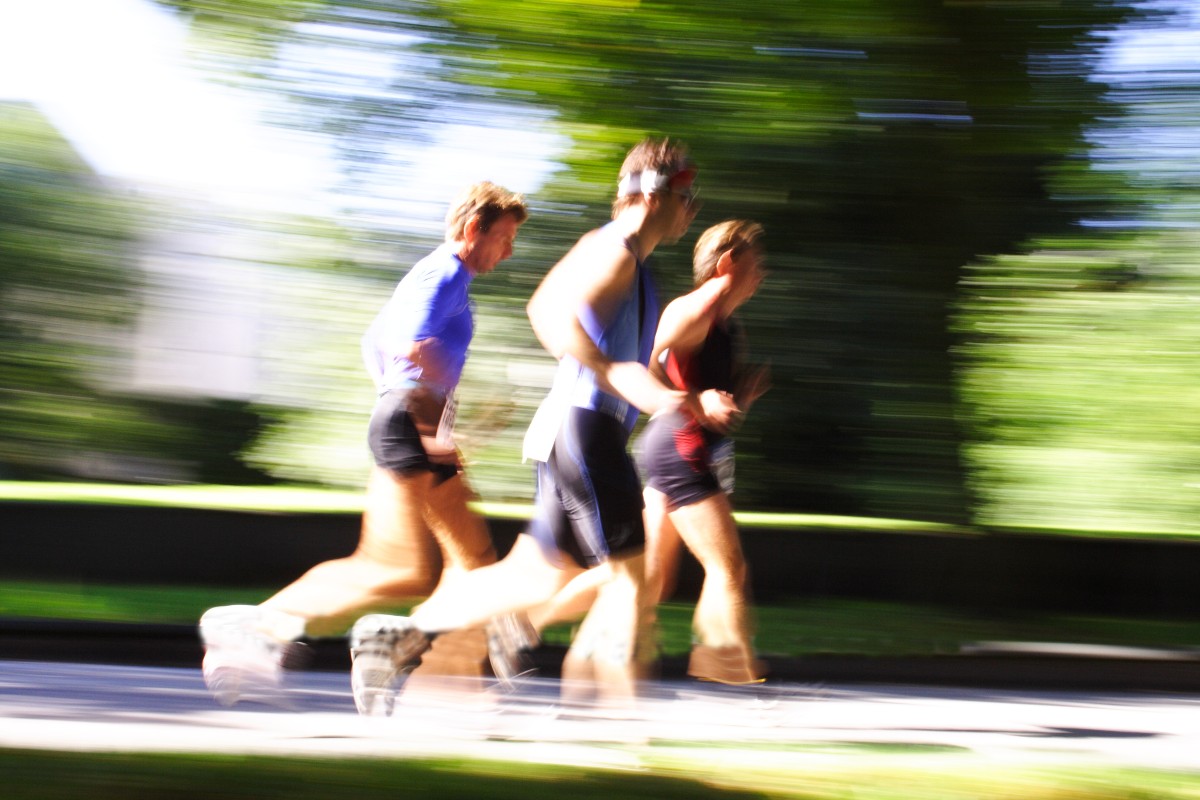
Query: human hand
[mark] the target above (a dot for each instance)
(632, 381)
(715, 410)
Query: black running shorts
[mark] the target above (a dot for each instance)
(395, 442)
(680, 458)
(589, 499)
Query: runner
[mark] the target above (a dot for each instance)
(688, 460)
(595, 312)
(417, 494)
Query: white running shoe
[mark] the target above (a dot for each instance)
(510, 637)
(384, 649)
(242, 660)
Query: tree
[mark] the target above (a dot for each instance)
(1078, 363)
(65, 279)
(884, 144)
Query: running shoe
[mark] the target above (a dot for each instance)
(730, 665)
(384, 650)
(242, 660)
(510, 637)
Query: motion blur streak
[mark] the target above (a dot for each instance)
(980, 217)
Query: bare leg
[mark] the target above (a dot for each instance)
(604, 657)
(396, 559)
(662, 547)
(521, 580)
(462, 535)
(571, 602)
(722, 614)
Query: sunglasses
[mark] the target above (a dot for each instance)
(690, 197)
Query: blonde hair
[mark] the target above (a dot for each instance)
(487, 201)
(733, 236)
(661, 155)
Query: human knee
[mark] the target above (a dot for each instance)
(725, 564)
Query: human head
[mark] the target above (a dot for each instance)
(487, 201)
(740, 238)
(653, 165)
(483, 222)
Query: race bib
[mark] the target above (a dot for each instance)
(445, 430)
(440, 445)
(720, 461)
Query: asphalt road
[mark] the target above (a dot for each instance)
(93, 707)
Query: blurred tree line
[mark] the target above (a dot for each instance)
(948, 340)
(70, 246)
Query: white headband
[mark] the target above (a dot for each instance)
(643, 182)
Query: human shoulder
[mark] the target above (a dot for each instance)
(697, 306)
(598, 257)
(602, 243)
(442, 266)
(686, 320)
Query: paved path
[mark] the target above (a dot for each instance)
(63, 706)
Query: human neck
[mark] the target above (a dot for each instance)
(463, 250)
(720, 291)
(637, 223)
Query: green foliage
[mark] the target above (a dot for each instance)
(1081, 375)
(945, 344)
(883, 145)
(66, 244)
(1078, 368)
(70, 291)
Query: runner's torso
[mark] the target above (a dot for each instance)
(710, 366)
(627, 336)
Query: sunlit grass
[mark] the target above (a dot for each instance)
(796, 628)
(118, 603)
(236, 498)
(318, 500)
(825, 773)
(321, 500)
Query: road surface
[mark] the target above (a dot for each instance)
(90, 707)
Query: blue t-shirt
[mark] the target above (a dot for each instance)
(430, 302)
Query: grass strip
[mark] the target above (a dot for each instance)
(37, 775)
(302, 499)
(801, 627)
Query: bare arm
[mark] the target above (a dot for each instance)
(684, 325)
(590, 274)
(595, 274)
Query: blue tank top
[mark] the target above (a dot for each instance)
(628, 336)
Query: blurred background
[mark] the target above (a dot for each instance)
(981, 225)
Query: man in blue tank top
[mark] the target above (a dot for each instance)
(596, 313)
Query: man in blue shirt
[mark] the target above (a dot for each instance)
(417, 496)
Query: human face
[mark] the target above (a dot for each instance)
(482, 251)
(682, 204)
(747, 270)
(689, 196)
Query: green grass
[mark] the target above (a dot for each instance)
(850, 627)
(795, 628)
(35, 775)
(318, 500)
(340, 501)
